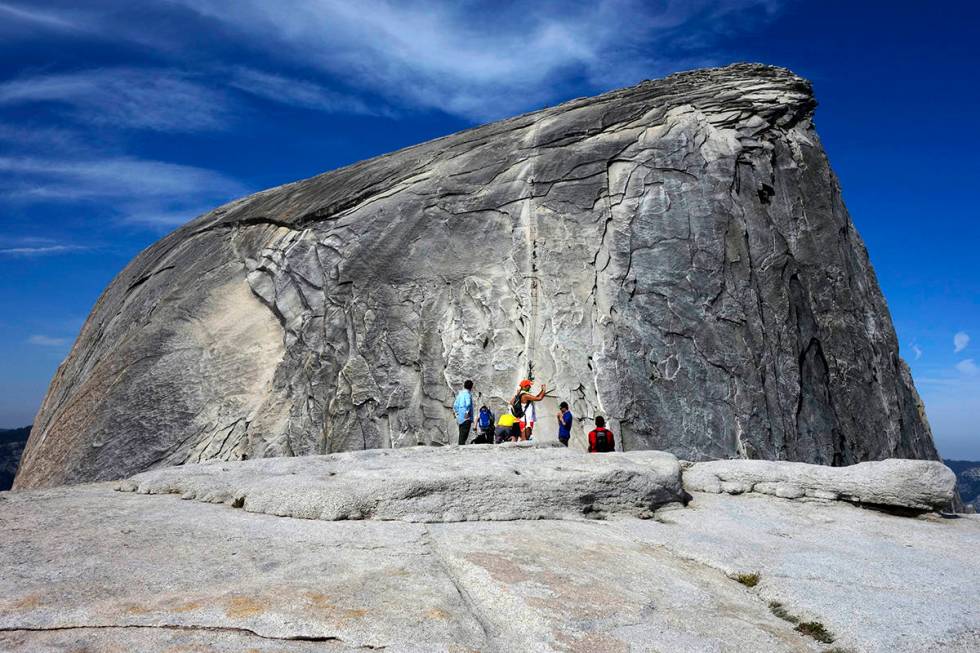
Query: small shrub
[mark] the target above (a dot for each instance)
(777, 609)
(816, 630)
(749, 580)
(813, 629)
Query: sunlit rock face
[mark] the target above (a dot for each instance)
(675, 256)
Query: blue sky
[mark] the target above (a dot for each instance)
(119, 121)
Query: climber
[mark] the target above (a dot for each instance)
(520, 403)
(564, 423)
(530, 417)
(601, 438)
(463, 407)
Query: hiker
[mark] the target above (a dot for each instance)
(463, 407)
(507, 429)
(520, 403)
(484, 425)
(564, 423)
(530, 417)
(600, 438)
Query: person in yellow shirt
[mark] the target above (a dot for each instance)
(508, 430)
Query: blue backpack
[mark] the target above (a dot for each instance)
(486, 418)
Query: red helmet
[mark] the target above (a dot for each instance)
(526, 384)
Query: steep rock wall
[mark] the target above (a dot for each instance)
(675, 256)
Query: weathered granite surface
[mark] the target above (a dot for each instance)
(675, 256)
(879, 583)
(92, 569)
(432, 484)
(913, 484)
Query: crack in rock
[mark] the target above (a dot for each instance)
(186, 627)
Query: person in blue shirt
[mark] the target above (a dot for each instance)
(463, 407)
(564, 423)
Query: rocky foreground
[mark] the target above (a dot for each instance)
(512, 548)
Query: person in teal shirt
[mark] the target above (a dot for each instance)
(463, 407)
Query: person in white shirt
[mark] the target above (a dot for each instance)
(530, 416)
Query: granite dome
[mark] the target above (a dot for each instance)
(675, 256)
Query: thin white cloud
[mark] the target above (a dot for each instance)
(47, 341)
(167, 100)
(917, 351)
(968, 366)
(110, 178)
(15, 16)
(298, 93)
(156, 216)
(40, 250)
(484, 61)
(159, 100)
(30, 137)
(960, 341)
(138, 191)
(477, 60)
(104, 20)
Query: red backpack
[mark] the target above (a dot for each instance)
(603, 439)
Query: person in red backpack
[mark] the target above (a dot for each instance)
(601, 438)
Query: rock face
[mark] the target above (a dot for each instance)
(213, 577)
(675, 256)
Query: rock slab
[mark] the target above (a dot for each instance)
(675, 256)
(911, 484)
(432, 484)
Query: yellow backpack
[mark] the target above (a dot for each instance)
(507, 420)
